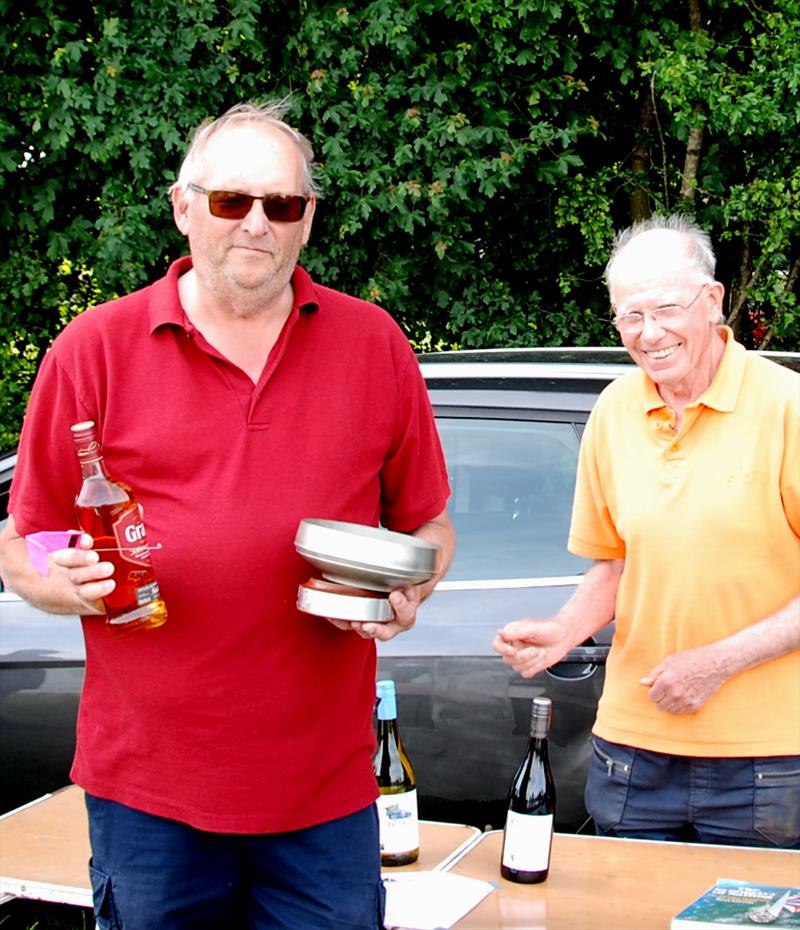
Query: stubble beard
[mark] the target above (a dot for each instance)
(246, 300)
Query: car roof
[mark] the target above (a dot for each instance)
(532, 379)
(539, 378)
(589, 362)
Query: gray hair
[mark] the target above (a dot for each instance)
(271, 114)
(699, 250)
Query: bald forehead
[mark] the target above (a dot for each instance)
(251, 137)
(656, 254)
(252, 150)
(658, 245)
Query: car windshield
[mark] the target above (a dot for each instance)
(512, 484)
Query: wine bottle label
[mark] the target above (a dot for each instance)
(399, 823)
(526, 846)
(131, 538)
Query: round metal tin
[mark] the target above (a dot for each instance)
(366, 556)
(324, 601)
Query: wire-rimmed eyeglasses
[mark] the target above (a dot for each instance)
(663, 316)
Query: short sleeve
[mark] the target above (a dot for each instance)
(592, 531)
(414, 483)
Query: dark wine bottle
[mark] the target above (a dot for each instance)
(397, 805)
(528, 833)
(107, 509)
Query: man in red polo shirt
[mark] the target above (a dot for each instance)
(226, 755)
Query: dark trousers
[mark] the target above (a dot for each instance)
(651, 795)
(151, 873)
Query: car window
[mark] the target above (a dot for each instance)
(512, 484)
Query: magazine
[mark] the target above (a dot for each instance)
(741, 904)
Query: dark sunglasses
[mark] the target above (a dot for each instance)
(231, 205)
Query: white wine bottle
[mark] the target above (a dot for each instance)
(397, 805)
(528, 833)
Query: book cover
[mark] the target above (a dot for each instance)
(741, 904)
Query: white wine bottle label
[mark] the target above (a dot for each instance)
(399, 823)
(527, 842)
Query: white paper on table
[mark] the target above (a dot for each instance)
(430, 900)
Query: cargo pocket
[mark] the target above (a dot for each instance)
(777, 800)
(607, 783)
(103, 900)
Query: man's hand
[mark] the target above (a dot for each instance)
(530, 646)
(684, 681)
(76, 581)
(82, 576)
(404, 601)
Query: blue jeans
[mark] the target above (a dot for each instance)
(654, 796)
(151, 873)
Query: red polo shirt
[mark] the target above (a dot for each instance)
(239, 714)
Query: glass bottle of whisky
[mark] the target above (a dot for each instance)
(108, 511)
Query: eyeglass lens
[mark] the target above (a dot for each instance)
(231, 205)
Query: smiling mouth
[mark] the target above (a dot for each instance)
(659, 354)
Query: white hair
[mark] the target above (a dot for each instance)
(699, 250)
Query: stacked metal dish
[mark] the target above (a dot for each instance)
(362, 564)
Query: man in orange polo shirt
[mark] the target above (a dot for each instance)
(688, 500)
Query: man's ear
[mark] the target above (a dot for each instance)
(180, 208)
(717, 294)
(308, 218)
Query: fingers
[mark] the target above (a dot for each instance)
(404, 605)
(89, 578)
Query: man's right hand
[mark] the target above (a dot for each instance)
(530, 646)
(87, 579)
(75, 585)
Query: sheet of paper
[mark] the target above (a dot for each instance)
(430, 900)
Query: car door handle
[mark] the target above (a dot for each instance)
(595, 655)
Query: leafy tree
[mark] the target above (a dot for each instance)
(476, 155)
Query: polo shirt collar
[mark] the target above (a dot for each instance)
(723, 391)
(165, 308)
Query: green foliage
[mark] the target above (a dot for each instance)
(476, 156)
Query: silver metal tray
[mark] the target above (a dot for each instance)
(366, 556)
(357, 608)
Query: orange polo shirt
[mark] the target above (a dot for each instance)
(708, 522)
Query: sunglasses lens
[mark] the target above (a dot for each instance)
(229, 205)
(284, 209)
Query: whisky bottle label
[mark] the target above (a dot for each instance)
(399, 823)
(131, 538)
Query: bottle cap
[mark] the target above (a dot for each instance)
(541, 711)
(387, 699)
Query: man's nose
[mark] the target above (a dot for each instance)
(256, 222)
(649, 320)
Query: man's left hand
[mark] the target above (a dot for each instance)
(684, 681)
(404, 601)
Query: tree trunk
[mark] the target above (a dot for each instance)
(640, 161)
(694, 146)
(691, 164)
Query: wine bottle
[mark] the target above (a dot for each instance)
(397, 805)
(528, 832)
(108, 511)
